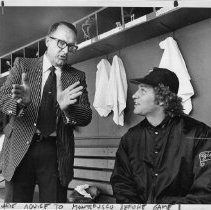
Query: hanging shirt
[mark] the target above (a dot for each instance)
(172, 59)
(101, 88)
(117, 89)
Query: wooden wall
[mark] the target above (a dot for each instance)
(195, 45)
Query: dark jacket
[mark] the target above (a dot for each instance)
(22, 125)
(180, 172)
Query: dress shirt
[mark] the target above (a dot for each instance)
(45, 73)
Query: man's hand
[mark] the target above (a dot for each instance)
(69, 95)
(22, 93)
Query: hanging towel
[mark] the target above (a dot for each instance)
(117, 89)
(172, 59)
(1, 140)
(101, 88)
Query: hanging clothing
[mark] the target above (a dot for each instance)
(1, 140)
(101, 88)
(172, 59)
(117, 89)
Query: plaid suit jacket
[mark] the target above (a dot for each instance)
(22, 125)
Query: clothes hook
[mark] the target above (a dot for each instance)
(119, 51)
(174, 36)
(2, 7)
(108, 58)
(176, 3)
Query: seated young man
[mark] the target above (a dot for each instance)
(166, 158)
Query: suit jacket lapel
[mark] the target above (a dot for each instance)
(36, 77)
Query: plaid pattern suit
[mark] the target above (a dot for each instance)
(22, 125)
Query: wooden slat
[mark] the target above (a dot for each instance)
(96, 152)
(97, 137)
(92, 174)
(97, 142)
(104, 187)
(2, 182)
(94, 163)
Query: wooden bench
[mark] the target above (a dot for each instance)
(93, 164)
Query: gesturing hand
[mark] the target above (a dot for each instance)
(22, 93)
(69, 95)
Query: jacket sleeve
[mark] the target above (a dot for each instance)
(8, 105)
(79, 114)
(123, 184)
(200, 191)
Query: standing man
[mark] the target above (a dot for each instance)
(45, 99)
(166, 158)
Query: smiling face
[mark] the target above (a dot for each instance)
(144, 101)
(56, 55)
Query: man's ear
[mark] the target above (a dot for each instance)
(47, 39)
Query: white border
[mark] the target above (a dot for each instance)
(97, 3)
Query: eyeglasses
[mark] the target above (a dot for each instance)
(62, 44)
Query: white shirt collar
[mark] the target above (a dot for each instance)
(46, 63)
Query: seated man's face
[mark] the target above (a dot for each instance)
(144, 101)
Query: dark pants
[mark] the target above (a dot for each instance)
(39, 166)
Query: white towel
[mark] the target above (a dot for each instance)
(1, 141)
(117, 90)
(172, 59)
(82, 190)
(101, 88)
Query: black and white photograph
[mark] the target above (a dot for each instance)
(105, 104)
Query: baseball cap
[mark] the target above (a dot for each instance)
(159, 76)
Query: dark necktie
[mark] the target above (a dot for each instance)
(46, 122)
